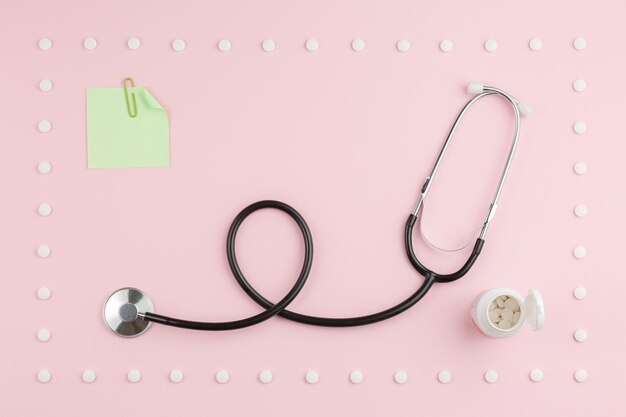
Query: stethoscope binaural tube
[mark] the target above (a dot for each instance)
(128, 312)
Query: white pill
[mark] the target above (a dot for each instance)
(403, 45)
(580, 168)
(358, 45)
(580, 293)
(579, 86)
(507, 314)
(45, 85)
(401, 377)
(133, 43)
(44, 126)
(492, 306)
(494, 316)
(44, 293)
(491, 377)
(580, 252)
(222, 377)
(536, 375)
(224, 45)
(356, 377)
(265, 377)
(580, 127)
(581, 210)
(312, 45)
(43, 335)
(491, 45)
(44, 376)
(268, 45)
(511, 304)
(580, 335)
(179, 45)
(44, 209)
(444, 376)
(43, 251)
(45, 44)
(535, 44)
(90, 44)
(516, 317)
(446, 45)
(504, 324)
(500, 302)
(89, 376)
(312, 377)
(580, 375)
(176, 376)
(580, 44)
(134, 376)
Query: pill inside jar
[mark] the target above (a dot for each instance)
(504, 312)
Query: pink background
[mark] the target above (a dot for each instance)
(346, 138)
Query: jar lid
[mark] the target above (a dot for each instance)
(535, 314)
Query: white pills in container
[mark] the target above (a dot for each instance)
(265, 377)
(491, 45)
(403, 45)
(134, 376)
(45, 85)
(88, 376)
(133, 43)
(268, 45)
(43, 251)
(401, 377)
(312, 45)
(43, 335)
(179, 45)
(44, 376)
(356, 377)
(90, 44)
(501, 312)
(491, 376)
(358, 45)
(176, 376)
(45, 44)
(222, 377)
(580, 168)
(312, 377)
(580, 252)
(44, 126)
(535, 44)
(224, 45)
(44, 293)
(446, 45)
(44, 167)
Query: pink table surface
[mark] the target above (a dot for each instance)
(346, 138)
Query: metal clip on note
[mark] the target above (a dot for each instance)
(132, 112)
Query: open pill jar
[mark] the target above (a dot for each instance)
(502, 312)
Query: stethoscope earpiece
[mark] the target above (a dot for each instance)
(124, 310)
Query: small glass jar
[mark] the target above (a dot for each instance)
(491, 322)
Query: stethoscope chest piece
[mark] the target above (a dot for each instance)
(123, 312)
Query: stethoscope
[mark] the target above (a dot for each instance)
(129, 312)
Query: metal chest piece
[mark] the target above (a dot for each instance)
(124, 309)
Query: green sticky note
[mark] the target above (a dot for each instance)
(116, 140)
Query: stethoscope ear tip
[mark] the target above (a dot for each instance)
(124, 310)
(475, 88)
(524, 109)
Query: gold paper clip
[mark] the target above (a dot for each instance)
(132, 112)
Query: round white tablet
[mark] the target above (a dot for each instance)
(401, 377)
(507, 314)
(43, 251)
(491, 377)
(44, 167)
(580, 335)
(580, 252)
(45, 85)
(446, 45)
(45, 44)
(580, 375)
(312, 377)
(224, 45)
(89, 376)
(44, 376)
(581, 210)
(356, 377)
(266, 377)
(580, 44)
(222, 376)
(535, 44)
(312, 45)
(580, 127)
(133, 43)
(43, 293)
(403, 45)
(43, 335)
(536, 375)
(176, 376)
(44, 126)
(358, 45)
(491, 45)
(444, 376)
(579, 85)
(268, 45)
(580, 168)
(134, 376)
(90, 44)
(44, 209)
(580, 293)
(178, 45)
